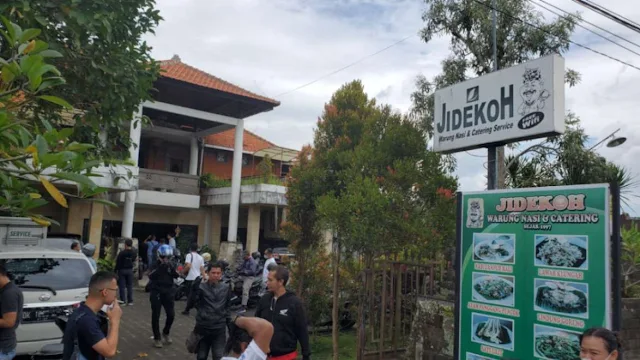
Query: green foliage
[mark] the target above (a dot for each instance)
(469, 25)
(565, 160)
(36, 152)
(265, 167)
(317, 282)
(631, 261)
(385, 198)
(106, 264)
(210, 181)
(207, 249)
(108, 67)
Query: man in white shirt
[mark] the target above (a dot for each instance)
(193, 268)
(171, 240)
(249, 339)
(268, 254)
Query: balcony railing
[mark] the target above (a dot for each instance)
(212, 182)
(168, 182)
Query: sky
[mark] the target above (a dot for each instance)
(273, 47)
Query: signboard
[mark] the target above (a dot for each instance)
(533, 271)
(519, 103)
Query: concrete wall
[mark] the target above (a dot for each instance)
(222, 170)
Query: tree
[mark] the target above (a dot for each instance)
(469, 24)
(35, 152)
(382, 185)
(630, 259)
(304, 186)
(565, 160)
(108, 67)
(265, 168)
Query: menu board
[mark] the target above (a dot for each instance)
(534, 271)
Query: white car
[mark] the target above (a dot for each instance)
(53, 283)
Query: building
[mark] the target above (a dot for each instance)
(196, 170)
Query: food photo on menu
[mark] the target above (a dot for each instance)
(494, 289)
(472, 356)
(555, 344)
(494, 248)
(562, 297)
(564, 251)
(492, 331)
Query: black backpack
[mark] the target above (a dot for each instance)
(75, 355)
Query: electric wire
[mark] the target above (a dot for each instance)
(578, 19)
(609, 14)
(549, 33)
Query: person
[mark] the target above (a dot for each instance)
(75, 246)
(247, 272)
(83, 332)
(162, 293)
(142, 254)
(124, 268)
(89, 250)
(193, 268)
(154, 250)
(11, 302)
(268, 254)
(600, 344)
(211, 298)
(151, 245)
(249, 339)
(286, 312)
(171, 240)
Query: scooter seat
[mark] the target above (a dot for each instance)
(52, 349)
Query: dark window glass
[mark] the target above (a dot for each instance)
(57, 273)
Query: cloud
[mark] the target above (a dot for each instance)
(272, 47)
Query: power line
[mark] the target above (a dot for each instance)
(588, 22)
(609, 14)
(346, 67)
(549, 33)
(480, 156)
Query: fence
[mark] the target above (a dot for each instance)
(387, 304)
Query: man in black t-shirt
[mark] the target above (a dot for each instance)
(83, 326)
(11, 302)
(124, 268)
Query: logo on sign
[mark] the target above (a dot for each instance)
(473, 94)
(531, 120)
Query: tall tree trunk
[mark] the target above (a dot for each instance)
(301, 271)
(335, 319)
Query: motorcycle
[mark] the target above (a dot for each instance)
(180, 286)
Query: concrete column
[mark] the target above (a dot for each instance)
(285, 213)
(128, 213)
(193, 159)
(253, 228)
(216, 227)
(206, 239)
(236, 173)
(95, 226)
(135, 132)
(76, 214)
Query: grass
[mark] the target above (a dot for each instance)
(322, 346)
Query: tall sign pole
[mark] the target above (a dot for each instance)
(492, 151)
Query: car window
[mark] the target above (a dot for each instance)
(58, 243)
(57, 273)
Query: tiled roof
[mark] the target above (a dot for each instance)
(176, 69)
(251, 141)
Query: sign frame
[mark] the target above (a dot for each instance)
(611, 247)
(477, 127)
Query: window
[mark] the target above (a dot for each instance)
(55, 273)
(245, 160)
(221, 156)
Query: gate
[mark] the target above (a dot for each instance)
(387, 304)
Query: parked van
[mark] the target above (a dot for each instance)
(53, 281)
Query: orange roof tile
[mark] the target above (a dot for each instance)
(176, 69)
(251, 141)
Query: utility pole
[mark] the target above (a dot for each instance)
(495, 154)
